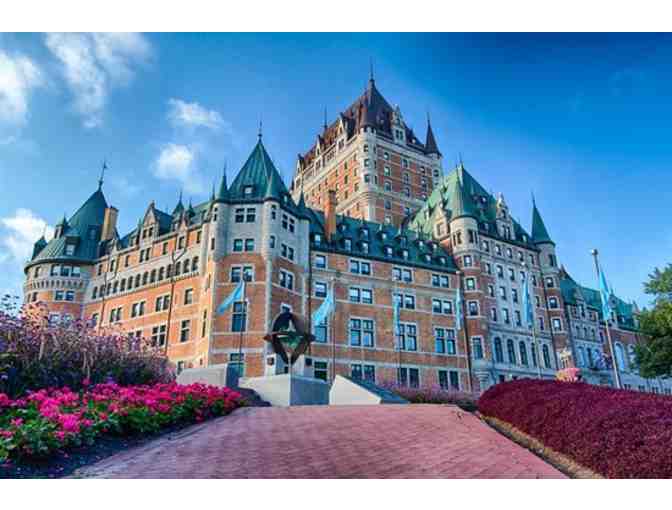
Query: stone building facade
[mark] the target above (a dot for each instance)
(369, 214)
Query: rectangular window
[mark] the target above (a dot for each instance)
(401, 274)
(320, 289)
(320, 331)
(320, 261)
(362, 332)
(188, 296)
(286, 280)
(249, 244)
(250, 216)
(360, 267)
(159, 335)
(440, 281)
(237, 245)
(407, 337)
(408, 377)
(239, 319)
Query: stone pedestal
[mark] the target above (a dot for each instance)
(285, 390)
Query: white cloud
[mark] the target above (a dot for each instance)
(125, 186)
(190, 115)
(20, 232)
(18, 77)
(177, 162)
(94, 63)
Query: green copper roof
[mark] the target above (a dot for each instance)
(351, 233)
(255, 175)
(83, 230)
(223, 193)
(539, 232)
(462, 204)
(573, 293)
(460, 194)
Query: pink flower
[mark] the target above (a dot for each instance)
(17, 422)
(4, 400)
(60, 435)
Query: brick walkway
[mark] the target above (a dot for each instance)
(392, 441)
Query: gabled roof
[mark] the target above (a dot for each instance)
(459, 194)
(539, 232)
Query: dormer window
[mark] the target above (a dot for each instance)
(404, 254)
(347, 243)
(428, 257)
(69, 249)
(388, 251)
(442, 260)
(383, 236)
(365, 247)
(365, 233)
(317, 238)
(247, 191)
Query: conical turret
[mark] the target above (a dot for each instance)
(539, 232)
(430, 144)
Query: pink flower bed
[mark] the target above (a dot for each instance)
(616, 433)
(52, 420)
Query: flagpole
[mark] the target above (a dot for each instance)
(240, 340)
(614, 364)
(535, 340)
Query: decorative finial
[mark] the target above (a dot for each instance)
(371, 79)
(102, 175)
(179, 200)
(533, 201)
(325, 118)
(260, 129)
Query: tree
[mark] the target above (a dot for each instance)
(654, 354)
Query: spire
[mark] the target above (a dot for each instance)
(223, 188)
(261, 126)
(102, 175)
(461, 204)
(430, 144)
(179, 207)
(539, 232)
(371, 79)
(325, 119)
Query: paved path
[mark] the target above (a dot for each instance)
(389, 441)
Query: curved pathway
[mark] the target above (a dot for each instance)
(387, 441)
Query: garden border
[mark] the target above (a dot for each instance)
(559, 461)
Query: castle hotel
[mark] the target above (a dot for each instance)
(372, 214)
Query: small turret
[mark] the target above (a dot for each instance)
(39, 246)
(179, 208)
(431, 148)
(223, 193)
(539, 232)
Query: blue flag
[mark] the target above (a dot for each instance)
(458, 309)
(527, 303)
(238, 294)
(604, 295)
(324, 310)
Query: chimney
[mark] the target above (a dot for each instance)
(330, 215)
(109, 223)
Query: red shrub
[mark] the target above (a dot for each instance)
(617, 433)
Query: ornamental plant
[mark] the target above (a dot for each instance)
(35, 354)
(433, 394)
(48, 421)
(616, 433)
(571, 374)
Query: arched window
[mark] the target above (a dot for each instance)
(137, 280)
(533, 351)
(523, 353)
(185, 267)
(152, 277)
(631, 353)
(178, 266)
(161, 273)
(145, 278)
(547, 356)
(620, 357)
(581, 362)
(194, 264)
(499, 354)
(511, 351)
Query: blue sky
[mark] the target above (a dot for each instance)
(581, 120)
